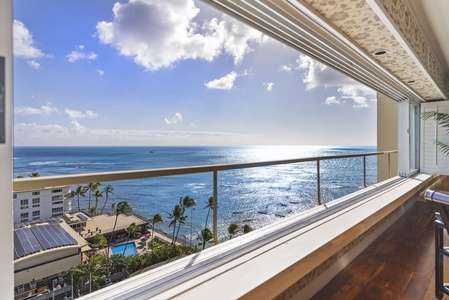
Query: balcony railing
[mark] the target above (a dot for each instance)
(35, 183)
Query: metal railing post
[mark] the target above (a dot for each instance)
(215, 211)
(318, 180)
(364, 170)
(389, 166)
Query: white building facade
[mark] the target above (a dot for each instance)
(41, 204)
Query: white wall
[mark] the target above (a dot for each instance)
(387, 136)
(433, 161)
(6, 217)
(46, 203)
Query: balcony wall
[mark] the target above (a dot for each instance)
(290, 259)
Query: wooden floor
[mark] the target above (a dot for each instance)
(397, 265)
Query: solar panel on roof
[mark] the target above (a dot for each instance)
(18, 248)
(56, 234)
(82, 217)
(26, 242)
(40, 237)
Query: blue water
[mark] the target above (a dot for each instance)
(130, 249)
(256, 196)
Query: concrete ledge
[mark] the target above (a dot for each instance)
(277, 259)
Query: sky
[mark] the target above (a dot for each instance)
(175, 72)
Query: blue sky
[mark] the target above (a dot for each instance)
(151, 72)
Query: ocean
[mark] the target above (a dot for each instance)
(255, 196)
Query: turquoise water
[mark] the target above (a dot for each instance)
(254, 196)
(131, 249)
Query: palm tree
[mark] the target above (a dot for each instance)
(91, 187)
(107, 190)
(80, 191)
(443, 120)
(92, 211)
(132, 230)
(100, 240)
(177, 216)
(75, 276)
(94, 269)
(19, 176)
(233, 229)
(205, 237)
(157, 218)
(247, 228)
(187, 202)
(122, 208)
(209, 206)
(34, 174)
(97, 195)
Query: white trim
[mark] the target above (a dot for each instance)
(404, 138)
(6, 207)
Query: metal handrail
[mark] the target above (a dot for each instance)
(34, 183)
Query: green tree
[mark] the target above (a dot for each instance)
(92, 211)
(157, 218)
(131, 231)
(93, 270)
(177, 216)
(233, 229)
(209, 206)
(34, 174)
(75, 276)
(205, 236)
(79, 191)
(19, 176)
(247, 228)
(442, 119)
(187, 202)
(100, 240)
(122, 208)
(92, 187)
(97, 194)
(117, 263)
(107, 190)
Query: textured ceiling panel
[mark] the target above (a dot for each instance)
(357, 20)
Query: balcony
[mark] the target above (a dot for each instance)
(296, 256)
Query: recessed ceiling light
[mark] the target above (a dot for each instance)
(380, 52)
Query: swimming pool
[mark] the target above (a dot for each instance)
(131, 249)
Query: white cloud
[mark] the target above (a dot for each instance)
(316, 74)
(286, 68)
(175, 119)
(28, 110)
(142, 28)
(32, 130)
(23, 42)
(52, 134)
(223, 83)
(78, 55)
(100, 72)
(35, 65)
(333, 100)
(76, 114)
(269, 86)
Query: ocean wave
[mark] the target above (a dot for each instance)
(43, 163)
